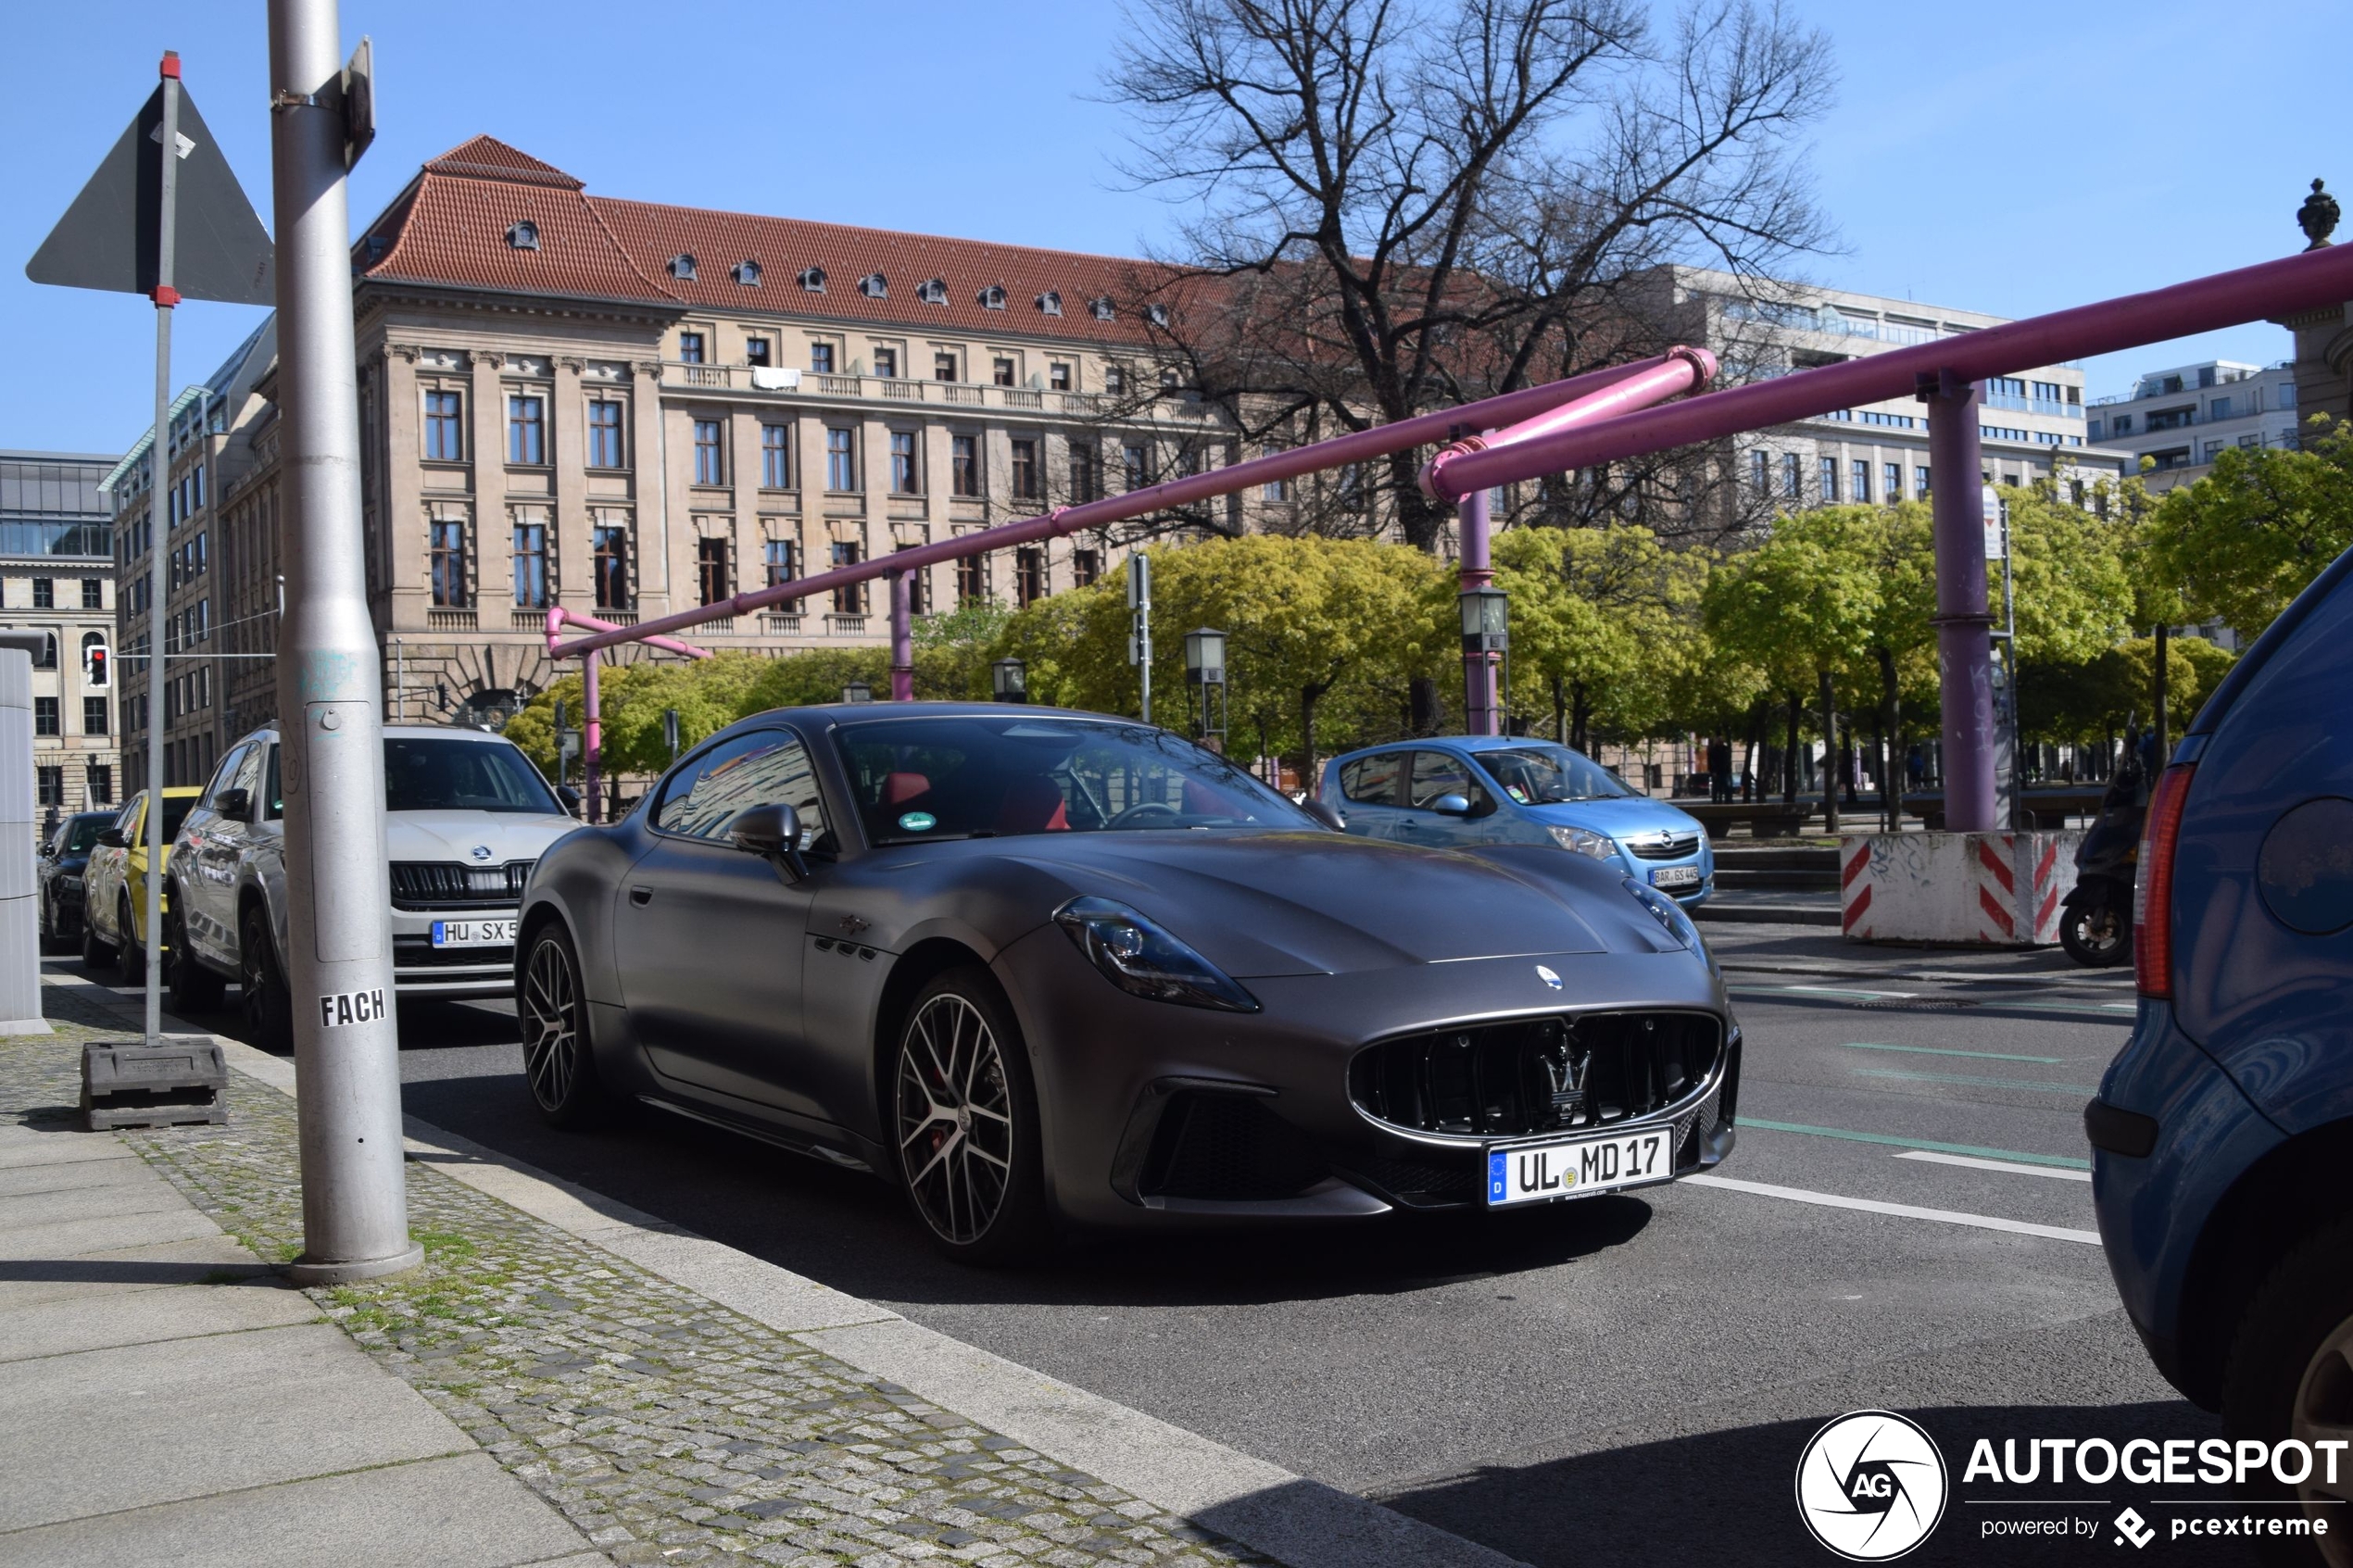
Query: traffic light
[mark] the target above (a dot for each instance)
(94, 662)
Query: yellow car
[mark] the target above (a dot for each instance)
(114, 899)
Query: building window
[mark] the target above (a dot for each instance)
(1025, 474)
(449, 564)
(851, 598)
(1920, 485)
(604, 434)
(1829, 480)
(611, 563)
(93, 716)
(1758, 479)
(964, 464)
(972, 580)
(1058, 376)
(906, 478)
(1275, 489)
(1086, 475)
(48, 658)
(710, 454)
(1792, 486)
(1029, 575)
(526, 429)
(1003, 372)
(44, 592)
(98, 782)
(821, 358)
(1114, 380)
(711, 570)
(842, 459)
(756, 351)
(1862, 481)
(49, 786)
(530, 566)
(1085, 566)
(444, 427)
(2122, 424)
(93, 593)
(1891, 482)
(691, 348)
(781, 559)
(918, 588)
(45, 716)
(886, 363)
(775, 457)
(1136, 465)
(943, 366)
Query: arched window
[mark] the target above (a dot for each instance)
(747, 273)
(874, 285)
(992, 298)
(682, 266)
(1050, 302)
(813, 279)
(933, 293)
(524, 235)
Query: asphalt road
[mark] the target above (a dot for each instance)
(1624, 1379)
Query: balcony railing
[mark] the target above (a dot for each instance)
(453, 619)
(704, 375)
(787, 625)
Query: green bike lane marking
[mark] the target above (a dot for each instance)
(2065, 1161)
(1948, 1050)
(1972, 1079)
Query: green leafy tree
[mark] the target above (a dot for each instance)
(1604, 621)
(2244, 541)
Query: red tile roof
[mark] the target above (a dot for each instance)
(452, 226)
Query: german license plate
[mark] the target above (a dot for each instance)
(474, 933)
(1675, 876)
(1531, 1172)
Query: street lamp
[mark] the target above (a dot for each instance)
(858, 690)
(1010, 678)
(1205, 668)
(1486, 638)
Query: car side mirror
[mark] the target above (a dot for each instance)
(570, 796)
(1324, 813)
(233, 802)
(771, 831)
(1451, 805)
(112, 839)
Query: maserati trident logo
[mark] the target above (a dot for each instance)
(479, 851)
(1870, 1485)
(1544, 973)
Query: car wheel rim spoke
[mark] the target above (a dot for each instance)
(955, 1121)
(551, 1045)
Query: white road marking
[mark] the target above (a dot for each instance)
(1901, 1211)
(2010, 1166)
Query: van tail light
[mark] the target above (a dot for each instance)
(2152, 889)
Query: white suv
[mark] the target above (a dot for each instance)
(466, 816)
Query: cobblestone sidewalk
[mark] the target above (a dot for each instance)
(667, 1427)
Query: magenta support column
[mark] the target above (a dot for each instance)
(1478, 571)
(902, 639)
(592, 726)
(1964, 652)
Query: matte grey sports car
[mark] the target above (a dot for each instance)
(1035, 965)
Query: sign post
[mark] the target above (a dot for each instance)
(1140, 639)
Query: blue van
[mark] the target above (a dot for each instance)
(1496, 789)
(2223, 1134)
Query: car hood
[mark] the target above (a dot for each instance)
(1259, 904)
(1625, 817)
(455, 836)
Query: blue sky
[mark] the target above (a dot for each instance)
(2000, 157)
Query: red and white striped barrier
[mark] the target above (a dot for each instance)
(2002, 889)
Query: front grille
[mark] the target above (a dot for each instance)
(418, 952)
(1672, 847)
(436, 885)
(1535, 1075)
(1227, 1147)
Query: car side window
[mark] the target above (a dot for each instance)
(1437, 774)
(223, 777)
(249, 776)
(273, 798)
(1373, 781)
(765, 767)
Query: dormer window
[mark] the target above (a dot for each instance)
(524, 235)
(1101, 308)
(747, 273)
(682, 267)
(813, 279)
(874, 285)
(934, 292)
(992, 298)
(1050, 302)
(1156, 314)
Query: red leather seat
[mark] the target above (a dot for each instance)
(900, 788)
(1033, 805)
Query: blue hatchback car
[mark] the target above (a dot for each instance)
(2222, 1135)
(1493, 789)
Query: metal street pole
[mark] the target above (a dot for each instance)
(355, 1210)
(1965, 664)
(159, 534)
(1139, 640)
(1476, 571)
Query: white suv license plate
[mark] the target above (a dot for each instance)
(1675, 876)
(474, 933)
(1531, 1172)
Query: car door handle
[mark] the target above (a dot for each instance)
(641, 897)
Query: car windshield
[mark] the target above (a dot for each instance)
(175, 811)
(83, 833)
(1546, 775)
(429, 774)
(980, 776)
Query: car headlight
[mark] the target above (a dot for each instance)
(1143, 960)
(1577, 841)
(1668, 913)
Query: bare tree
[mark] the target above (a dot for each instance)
(1404, 206)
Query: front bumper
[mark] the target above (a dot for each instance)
(421, 969)
(1283, 1138)
(1690, 897)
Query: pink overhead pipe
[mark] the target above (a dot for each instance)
(592, 720)
(1355, 446)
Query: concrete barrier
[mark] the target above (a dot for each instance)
(2001, 889)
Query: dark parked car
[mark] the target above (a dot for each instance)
(2223, 1131)
(63, 858)
(1037, 966)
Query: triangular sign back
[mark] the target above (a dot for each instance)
(106, 240)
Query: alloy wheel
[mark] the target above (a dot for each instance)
(955, 1118)
(551, 1024)
(2323, 1412)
